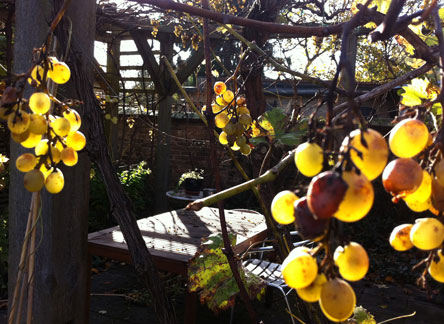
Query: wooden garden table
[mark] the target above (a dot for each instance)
(173, 238)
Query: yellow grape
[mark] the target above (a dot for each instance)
(282, 207)
(55, 181)
(400, 237)
(338, 300)
(61, 126)
(427, 233)
(299, 268)
(19, 123)
(374, 156)
(55, 154)
(408, 138)
(312, 293)
(228, 96)
(239, 129)
(69, 156)
(74, 119)
(436, 269)
(219, 87)
(245, 119)
(221, 120)
(242, 110)
(34, 180)
(245, 149)
(32, 140)
(419, 206)
(39, 103)
(60, 72)
(26, 162)
(235, 147)
(18, 138)
(220, 101)
(309, 159)
(230, 128)
(241, 140)
(38, 69)
(76, 140)
(439, 171)
(358, 199)
(42, 147)
(216, 108)
(223, 138)
(38, 124)
(241, 101)
(423, 193)
(46, 171)
(352, 261)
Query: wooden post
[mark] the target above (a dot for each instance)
(60, 272)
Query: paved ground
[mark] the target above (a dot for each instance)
(118, 298)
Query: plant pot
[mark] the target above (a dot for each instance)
(192, 186)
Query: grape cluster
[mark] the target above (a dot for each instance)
(53, 134)
(346, 194)
(233, 117)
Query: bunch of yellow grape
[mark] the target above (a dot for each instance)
(53, 137)
(233, 117)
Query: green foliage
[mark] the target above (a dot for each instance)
(135, 180)
(210, 274)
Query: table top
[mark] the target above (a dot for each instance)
(182, 195)
(174, 236)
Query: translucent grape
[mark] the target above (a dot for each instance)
(338, 300)
(419, 206)
(400, 237)
(74, 119)
(223, 138)
(312, 293)
(69, 156)
(245, 149)
(427, 233)
(18, 138)
(61, 126)
(230, 128)
(216, 108)
(374, 156)
(220, 101)
(19, 123)
(32, 140)
(26, 162)
(36, 74)
(352, 261)
(60, 72)
(408, 138)
(76, 140)
(38, 124)
(423, 193)
(241, 140)
(402, 177)
(219, 87)
(39, 103)
(235, 147)
(282, 207)
(34, 180)
(228, 96)
(309, 159)
(299, 268)
(436, 269)
(245, 119)
(221, 120)
(242, 110)
(358, 199)
(55, 181)
(46, 171)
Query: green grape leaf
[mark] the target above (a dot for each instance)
(210, 274)
(276, 119)
(363, 316)
(258, 140)
(290, 138)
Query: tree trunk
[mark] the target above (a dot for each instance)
(60, 271)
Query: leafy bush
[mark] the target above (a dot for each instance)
(136, 182)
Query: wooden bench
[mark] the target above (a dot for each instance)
(173, 238)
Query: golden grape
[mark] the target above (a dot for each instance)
(216, 108)
(223, 138)
(228, 96)
(18, 138)
(46, 171)
(338, 300)
(245, 119)
(39, 103)
(69, 156)
(60, 72)
(242, 110)
(358, 199)
(419, 206)
(408, 138)
(19, 123)
(221, 120)
(436, 269)
(36, 74)
(245, 149)
(76, 140)
(400, 237)
(309, 159)
(423, 193)
(55, 181)
(427, 233)
(219, 87)
(402, 177)
(220, 101)
(32, 140)
(352, 261)
(299, 268)
(38, 124)
(61, 126)
(230, 128)
(282, 207)
(34, 180)
(26, 162)
(74, 119)
(235, 147)
(312, 293)
(374, 156)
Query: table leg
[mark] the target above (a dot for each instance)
(191, 299)
(88, 289)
